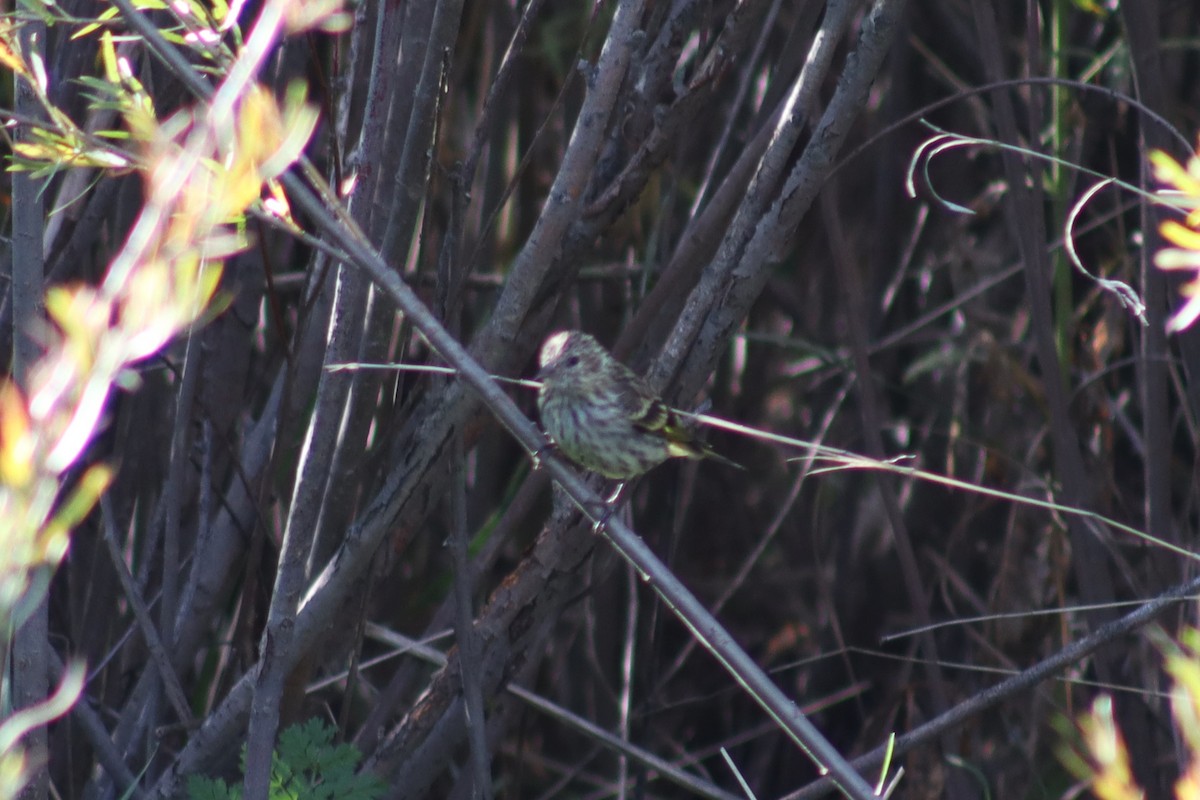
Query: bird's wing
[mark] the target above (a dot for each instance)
(650, 414)
(639, 404)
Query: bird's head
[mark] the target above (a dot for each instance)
(569, 352)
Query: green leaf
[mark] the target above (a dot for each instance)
(307, 765)
(200, 787)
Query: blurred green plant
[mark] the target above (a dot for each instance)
(204, 169)
(306, 764)
(1097, 753)
(1182, 182)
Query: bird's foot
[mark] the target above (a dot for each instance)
(537, 455)
(608, 508)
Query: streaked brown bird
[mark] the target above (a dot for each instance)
(604, 417)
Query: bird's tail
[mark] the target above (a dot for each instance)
(691, 448)
(708, 452)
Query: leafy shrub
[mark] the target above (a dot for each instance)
(306, 764)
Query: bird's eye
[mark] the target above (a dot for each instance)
(573, 361)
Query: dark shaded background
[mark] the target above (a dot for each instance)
(821, 302)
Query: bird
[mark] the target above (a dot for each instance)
(603, 416)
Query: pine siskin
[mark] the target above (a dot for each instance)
(604, 417)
